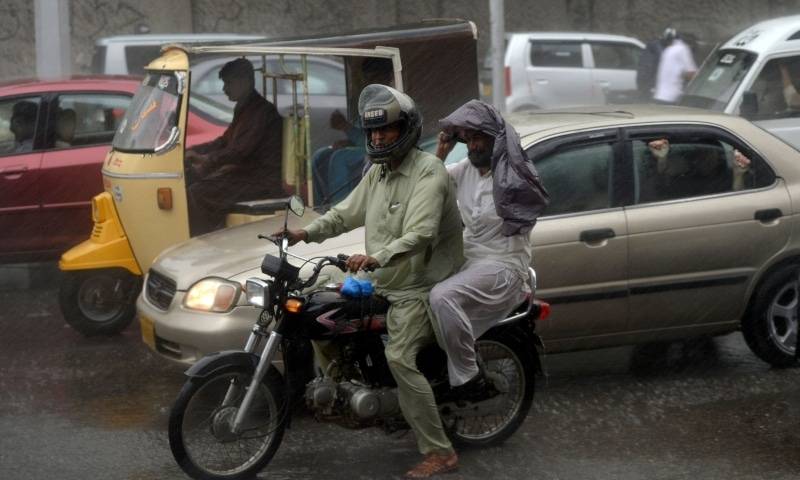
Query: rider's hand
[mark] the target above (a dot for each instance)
(446, 144)
(361, 262)
(293, 236)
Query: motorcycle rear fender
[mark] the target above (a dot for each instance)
(215, 361)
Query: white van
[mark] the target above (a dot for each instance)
(744, 77)
(128, 54)
(552, 69)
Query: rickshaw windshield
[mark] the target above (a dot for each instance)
(153, 115)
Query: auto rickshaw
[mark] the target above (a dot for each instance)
(143, 209)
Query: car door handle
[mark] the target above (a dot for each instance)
(13, 170)
(768, 214)
(596, 235)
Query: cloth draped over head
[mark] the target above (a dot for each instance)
(519, 196)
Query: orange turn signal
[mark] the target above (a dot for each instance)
(293, 305)
(164, 196)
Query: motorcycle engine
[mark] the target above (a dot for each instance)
(351, 399)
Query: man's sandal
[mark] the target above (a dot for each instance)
(434, 464)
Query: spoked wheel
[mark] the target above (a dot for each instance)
(511, 369)
(201, 436)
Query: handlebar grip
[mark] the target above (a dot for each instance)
(341, 261)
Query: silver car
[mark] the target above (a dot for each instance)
(627, 252)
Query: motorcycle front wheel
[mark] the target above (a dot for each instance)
(200, 433)
(511, 367)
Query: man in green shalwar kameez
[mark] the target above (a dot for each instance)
(407, 203)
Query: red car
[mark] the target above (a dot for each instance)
(54, 136)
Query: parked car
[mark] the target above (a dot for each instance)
(129, 54)
(623, 255)
(50, 172)
(550, 70)
(743, 77)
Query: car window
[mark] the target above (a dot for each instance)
(577, 178)
(87, 119)
(618, 56)
(717, 80)
(776, 88)
(556, 54)
(19, 118)
(692, 167)
(138, 56)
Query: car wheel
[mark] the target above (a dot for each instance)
(770, 326)
(99, 302)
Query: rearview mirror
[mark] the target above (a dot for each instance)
(749, 106)
(297, 206)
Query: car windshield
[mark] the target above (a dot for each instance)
(152, 115)
(719, 78)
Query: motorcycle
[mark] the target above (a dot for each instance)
(230, 416)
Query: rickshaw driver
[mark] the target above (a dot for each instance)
(413, 232)
(244, 163)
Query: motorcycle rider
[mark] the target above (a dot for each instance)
(413, 233)
(500, 196)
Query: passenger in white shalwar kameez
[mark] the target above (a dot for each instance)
(493, 281)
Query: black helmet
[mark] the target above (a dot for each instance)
(379, 106)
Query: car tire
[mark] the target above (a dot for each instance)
(772, 316)
(99, 302)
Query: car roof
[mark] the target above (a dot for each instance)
(538, 124)
(159, 38)
(114, 83)
(597, 37)
(770, 35)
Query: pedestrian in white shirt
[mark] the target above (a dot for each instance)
(492, 281)
(674, 69)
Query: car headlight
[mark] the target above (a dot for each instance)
(212, 295)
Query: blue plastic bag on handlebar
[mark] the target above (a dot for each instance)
(356, 288)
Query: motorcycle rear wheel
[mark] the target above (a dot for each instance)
(200, 436)
(513, 369)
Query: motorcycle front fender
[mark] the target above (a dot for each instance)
(215, 361)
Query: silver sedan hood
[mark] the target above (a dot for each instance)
(237, 252)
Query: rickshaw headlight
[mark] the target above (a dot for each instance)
(212, 295)
(257, 291)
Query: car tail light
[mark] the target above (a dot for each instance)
(544, 310)
(507, 71)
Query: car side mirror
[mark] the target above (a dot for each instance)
(749, 106)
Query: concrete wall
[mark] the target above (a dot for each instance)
(711, 21)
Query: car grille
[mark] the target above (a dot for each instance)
(159, 290)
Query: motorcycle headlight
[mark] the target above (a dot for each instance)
(212, 295)
(257, 291)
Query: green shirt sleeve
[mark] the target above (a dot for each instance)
(422, 217)
(346, 215)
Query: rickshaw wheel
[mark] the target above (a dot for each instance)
(99, 302)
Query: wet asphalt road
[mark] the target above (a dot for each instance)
(78, 408)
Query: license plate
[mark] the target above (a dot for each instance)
(148, 331)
